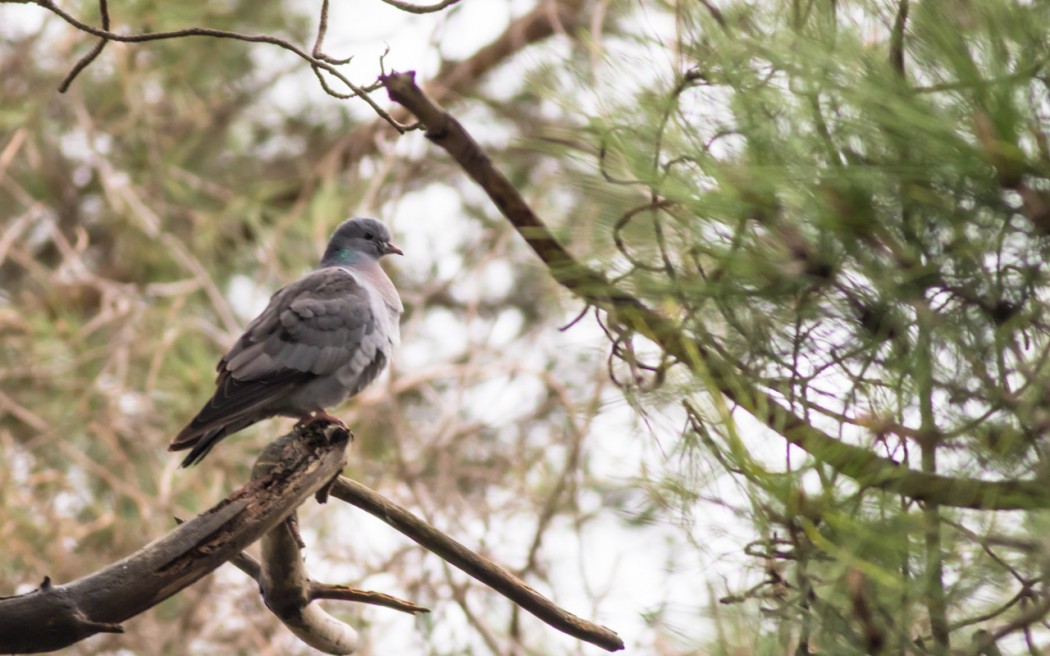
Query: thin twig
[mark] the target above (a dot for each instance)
(473, 564)
(356, 91)
(1025, 619)
(322, 31)
(458, 78)
(346, 593)
(103, 8)
(420, 9)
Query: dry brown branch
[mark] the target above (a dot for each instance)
(476, 566)
(721, 376)
(55, 616)
(346, 593)
(86, 60)
(420, 9)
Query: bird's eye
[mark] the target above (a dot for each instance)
(369, 236)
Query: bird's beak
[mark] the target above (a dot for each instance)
(390, 248)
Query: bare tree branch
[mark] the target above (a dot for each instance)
(346, 593)
(420, 9)
(455, 77)
(473, 564)
(86, 60)
(53, 617)
(322, 31)
(316, 62)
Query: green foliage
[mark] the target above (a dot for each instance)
(868, 242)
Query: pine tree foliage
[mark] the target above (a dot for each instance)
(849, 204)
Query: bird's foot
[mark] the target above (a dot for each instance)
(335, 431)
(320, 415)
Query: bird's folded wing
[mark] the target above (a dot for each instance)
(311, 328)
(315, 325)
(237, 404)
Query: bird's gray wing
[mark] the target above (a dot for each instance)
(311, 328)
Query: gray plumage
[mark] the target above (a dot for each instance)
(320, 340)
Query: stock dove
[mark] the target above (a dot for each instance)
(321, 340)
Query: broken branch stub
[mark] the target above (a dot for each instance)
(283, 580)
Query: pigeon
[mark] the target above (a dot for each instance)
(320, 340)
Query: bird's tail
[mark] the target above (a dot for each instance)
(200, 437)
(198, 441)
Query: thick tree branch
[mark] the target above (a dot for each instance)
(720, 376)
(285, 587)
(53, 617)
(283, 581)
(480, 568)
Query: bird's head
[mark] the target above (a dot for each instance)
(357, 238)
